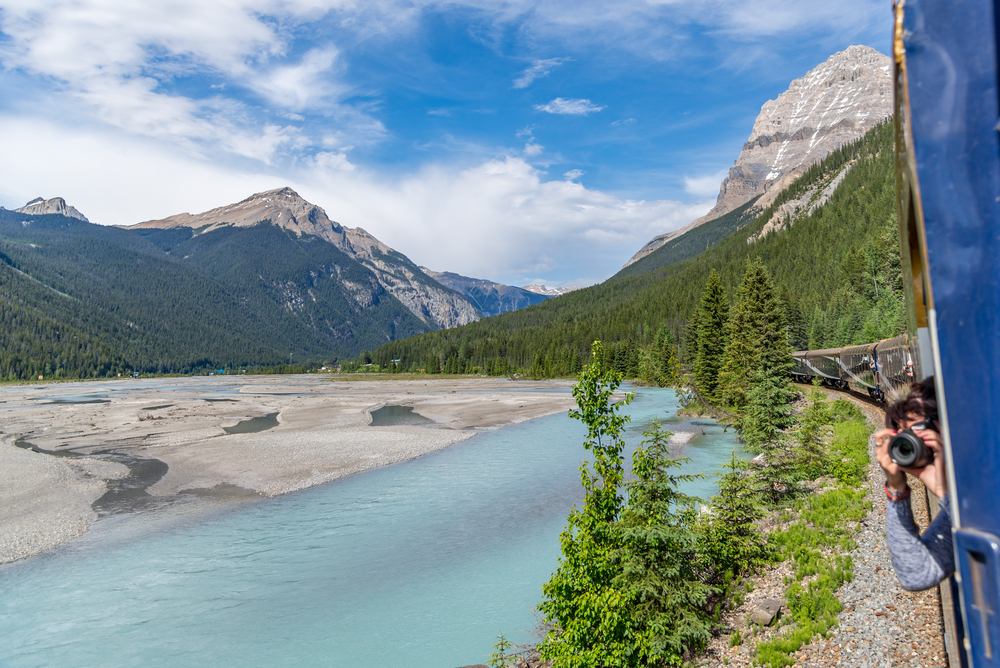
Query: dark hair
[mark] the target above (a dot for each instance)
(920, 401)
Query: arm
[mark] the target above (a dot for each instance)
(920, 561)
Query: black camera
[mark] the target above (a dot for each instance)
(908, 450)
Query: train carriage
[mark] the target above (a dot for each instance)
(858, 364)
(883, 370)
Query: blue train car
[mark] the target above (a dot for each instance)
(948, 185)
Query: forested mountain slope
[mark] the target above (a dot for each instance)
(836, 268)
(93, 300)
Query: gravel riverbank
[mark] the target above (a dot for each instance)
(118, 446)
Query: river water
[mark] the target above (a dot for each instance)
(417, 564)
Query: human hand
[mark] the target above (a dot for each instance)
(933, 475)
(895, 477)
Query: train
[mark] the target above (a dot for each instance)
(884, 370)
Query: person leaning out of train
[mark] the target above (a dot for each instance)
(920, 561)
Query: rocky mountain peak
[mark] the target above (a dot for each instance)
(550, 292)
(40, 206)
(285, 208)
(282, 207)
(836, 102)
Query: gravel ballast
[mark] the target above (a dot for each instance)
(882, 625)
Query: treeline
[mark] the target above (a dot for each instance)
(836, 274)
(32, 346)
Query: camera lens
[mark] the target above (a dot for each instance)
(908, 450)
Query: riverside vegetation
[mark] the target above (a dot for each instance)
(644, 577)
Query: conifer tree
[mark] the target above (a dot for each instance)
(712, 318)
(811, 435)
(690, 340)
(659, 558)
(756, 337)
(768, 410)
(733, 541)
(666, 357)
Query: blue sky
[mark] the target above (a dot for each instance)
(516, 141)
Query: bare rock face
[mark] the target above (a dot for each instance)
(834, 104)
(39, 206)
(283, 207)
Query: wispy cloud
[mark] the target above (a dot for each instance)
(704, 186)
(624, 121)
(573, 174)
(532, 149)
(538, 69)
(569, 107)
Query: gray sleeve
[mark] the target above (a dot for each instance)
(920, 561)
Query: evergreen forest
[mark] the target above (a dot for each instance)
(835, 271)
(80, 300)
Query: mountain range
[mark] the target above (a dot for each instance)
(394, 273)
(263, 281)
(273, 279)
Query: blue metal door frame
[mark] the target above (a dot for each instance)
(953, 143)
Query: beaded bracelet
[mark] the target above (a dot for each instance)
(897, 496)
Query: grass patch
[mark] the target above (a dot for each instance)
(824, 521)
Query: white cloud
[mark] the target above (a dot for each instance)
(704, 186)
(116, 61)
(626, 121)
(299, 86)
(499, 219)
(573, 174)
(538, 69)
(331, 161)
(532, 149)
(569, 107)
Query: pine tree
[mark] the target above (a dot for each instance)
(659, 557)
(733, 541)
(712, 318)
(811, 435)
(768, 409)
(666, 357)
(756, 337)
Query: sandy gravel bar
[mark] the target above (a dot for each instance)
(321, 433)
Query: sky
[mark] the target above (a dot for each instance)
(522, 142)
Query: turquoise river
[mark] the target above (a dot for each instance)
(416, 564)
